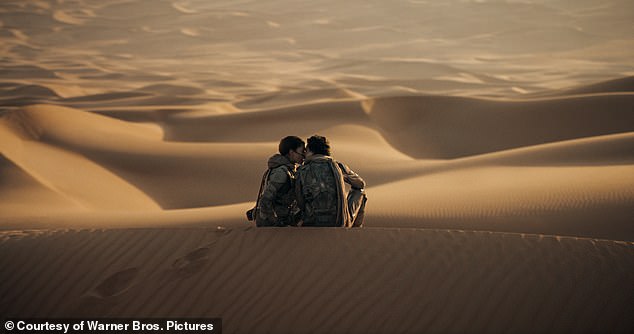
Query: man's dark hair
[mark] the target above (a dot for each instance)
(319, 145)
(290, 143)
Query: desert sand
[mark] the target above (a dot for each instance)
(496, 139)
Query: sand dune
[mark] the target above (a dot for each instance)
(611, 86)
(448, 127)
(89, 184)
(267, 125)
(26, 190)
(406, 281)
(496, 139)
(537, 192)
(136, 153)
(601, 150)
(560, 200)
(32, 91)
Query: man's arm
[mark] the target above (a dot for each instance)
(350, 177)
(277, 179)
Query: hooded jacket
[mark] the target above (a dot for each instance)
(277, 199)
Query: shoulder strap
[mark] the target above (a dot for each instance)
(265, 177)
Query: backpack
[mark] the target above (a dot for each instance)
(320, 190)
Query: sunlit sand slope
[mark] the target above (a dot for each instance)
(358, 281)
(560, 165)
(449, 127)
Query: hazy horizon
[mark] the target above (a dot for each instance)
(233, 49)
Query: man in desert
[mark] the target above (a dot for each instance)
(321, 192)
(276, 204)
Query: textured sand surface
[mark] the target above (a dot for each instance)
(329, 281)
(496, 139)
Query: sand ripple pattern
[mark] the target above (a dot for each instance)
(327, 281)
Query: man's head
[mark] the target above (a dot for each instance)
(293, 148)
(318, 145)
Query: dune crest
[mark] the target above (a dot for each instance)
(90, 185)
(451, 127)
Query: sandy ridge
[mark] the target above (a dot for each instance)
(426, 280)
(535, 185)
(449, 127)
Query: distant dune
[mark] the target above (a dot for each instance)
(503, 176)
(496, 139)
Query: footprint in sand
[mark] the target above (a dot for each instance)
(192, 262)
(116, 283)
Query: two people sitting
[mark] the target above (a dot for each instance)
(309, 194)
